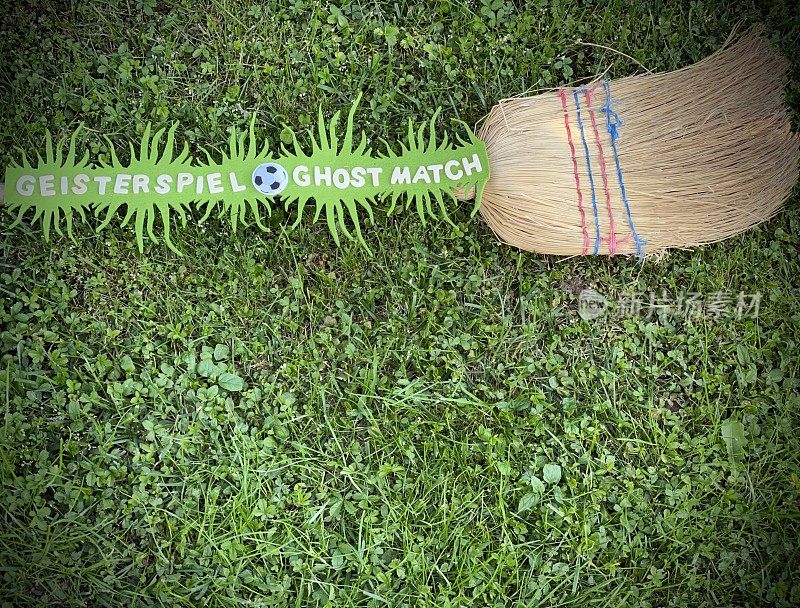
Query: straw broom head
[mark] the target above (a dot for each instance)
(643, 163)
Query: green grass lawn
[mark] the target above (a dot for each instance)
(272, 421)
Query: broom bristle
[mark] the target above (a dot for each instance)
(643, 163)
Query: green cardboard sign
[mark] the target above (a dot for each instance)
(342, 177)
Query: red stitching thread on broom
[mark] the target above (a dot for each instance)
(563, 96)
(612, 238)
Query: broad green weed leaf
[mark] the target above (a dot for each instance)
(504, 467)
(733, 436)
(536, 484)
(551, 473)
(528, 501)
(206, 368)
(230, 382)
(221, 352)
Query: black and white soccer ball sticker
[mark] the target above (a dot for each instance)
(270, 178)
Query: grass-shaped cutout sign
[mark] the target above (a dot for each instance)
(342, 178)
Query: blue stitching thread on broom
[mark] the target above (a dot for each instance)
(589, 169)
(612, 122)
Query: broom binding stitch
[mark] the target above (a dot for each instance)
(589, 169)
(612, 224)
(563, 97)
(613, 121)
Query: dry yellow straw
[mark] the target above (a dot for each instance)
(676, 159)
